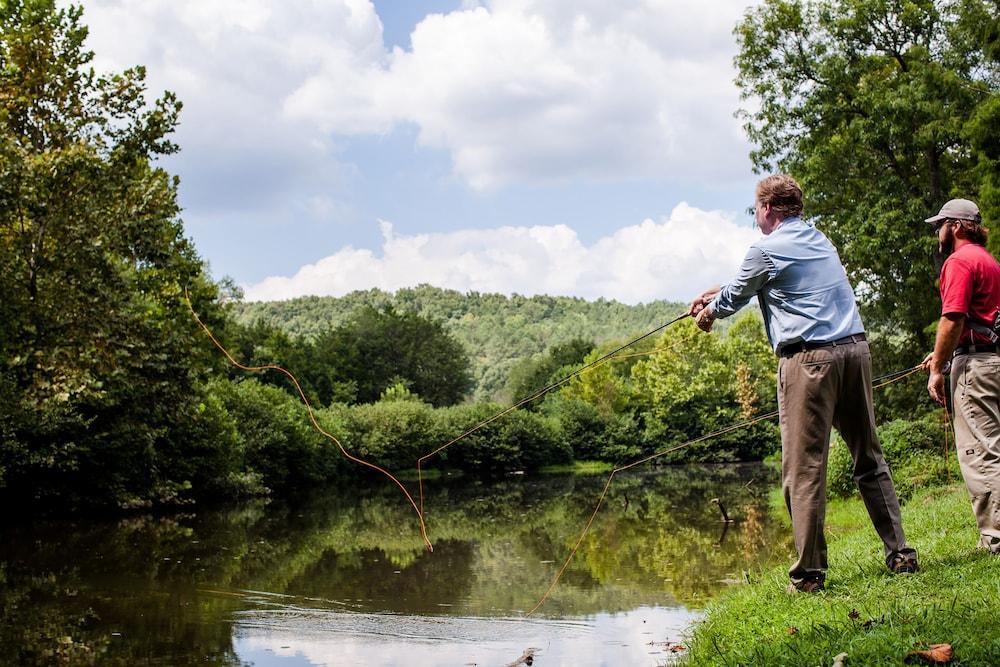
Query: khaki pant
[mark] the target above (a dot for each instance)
(975, 390)
(818, 389)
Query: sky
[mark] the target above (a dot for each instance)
(566, 147)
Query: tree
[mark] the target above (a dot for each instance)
(501, 329)
(696, 384)
(99, 357)
(534, 373)
(376, 349)
(880, 108)
(979, 26)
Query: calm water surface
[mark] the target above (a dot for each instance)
(344, 579)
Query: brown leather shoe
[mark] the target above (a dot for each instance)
(806, 586)
(901, 564)
(990, 543)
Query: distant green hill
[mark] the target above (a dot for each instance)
(497, 330)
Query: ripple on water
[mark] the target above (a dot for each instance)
(280, 636)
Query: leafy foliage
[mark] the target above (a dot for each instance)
(521, 440)
(277, 448)
(531, 374)
(696, 384)
(917, 452)
(880, 108)
(498, 332)
(98, 353)
(392, 433)
(377, 348)
(356, 361)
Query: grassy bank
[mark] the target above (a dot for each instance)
(578, 468)
(874, 617)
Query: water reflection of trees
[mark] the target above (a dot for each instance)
(169, 585)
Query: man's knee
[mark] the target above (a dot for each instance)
(872, 470)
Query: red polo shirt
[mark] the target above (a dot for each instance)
(970, 285)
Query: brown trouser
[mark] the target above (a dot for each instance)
(975, 390)
(817, 389)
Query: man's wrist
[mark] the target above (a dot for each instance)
(938, 363)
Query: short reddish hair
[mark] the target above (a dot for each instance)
(972, 230)
(783, 194)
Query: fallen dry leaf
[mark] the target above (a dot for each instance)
(792, 630)
(872, 622)
(938, 654)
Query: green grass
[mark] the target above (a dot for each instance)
(578, 468)
(574, 468)
(873, 616)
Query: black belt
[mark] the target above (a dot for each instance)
(802, 346)
(973, 349)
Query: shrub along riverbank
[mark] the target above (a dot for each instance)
(872, 616)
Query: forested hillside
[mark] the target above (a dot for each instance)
(495, 329)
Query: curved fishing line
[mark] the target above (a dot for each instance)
(878, 383)
(528, 399)
(312, 416)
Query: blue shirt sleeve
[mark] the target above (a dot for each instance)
(754, 272)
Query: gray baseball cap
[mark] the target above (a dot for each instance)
(957, 209)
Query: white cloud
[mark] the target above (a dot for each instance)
(522, 91)
(516, 91)
(233, 63)
(673, 259)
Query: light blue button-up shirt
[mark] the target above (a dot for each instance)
(796, 275)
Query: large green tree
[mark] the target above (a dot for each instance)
(536, 372)
(376, 349)
(100, 366)
(883, 109)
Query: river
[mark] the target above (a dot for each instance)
(343, 578)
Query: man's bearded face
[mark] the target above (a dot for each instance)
(946, 245)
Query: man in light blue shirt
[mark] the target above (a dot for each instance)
(824, 374)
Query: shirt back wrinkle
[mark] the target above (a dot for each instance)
(801, 284)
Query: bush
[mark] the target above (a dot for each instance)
(278, 442)
(536, 438)
(581, 425)
(519, 440)
(622, 440)
(915, 453)
(208, 454)
(392, 434)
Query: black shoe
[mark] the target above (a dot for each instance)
(900, 564)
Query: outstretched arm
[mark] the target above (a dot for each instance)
(755, 270)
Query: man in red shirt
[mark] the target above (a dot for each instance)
(970, 298)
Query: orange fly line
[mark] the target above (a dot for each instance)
(312, 417)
